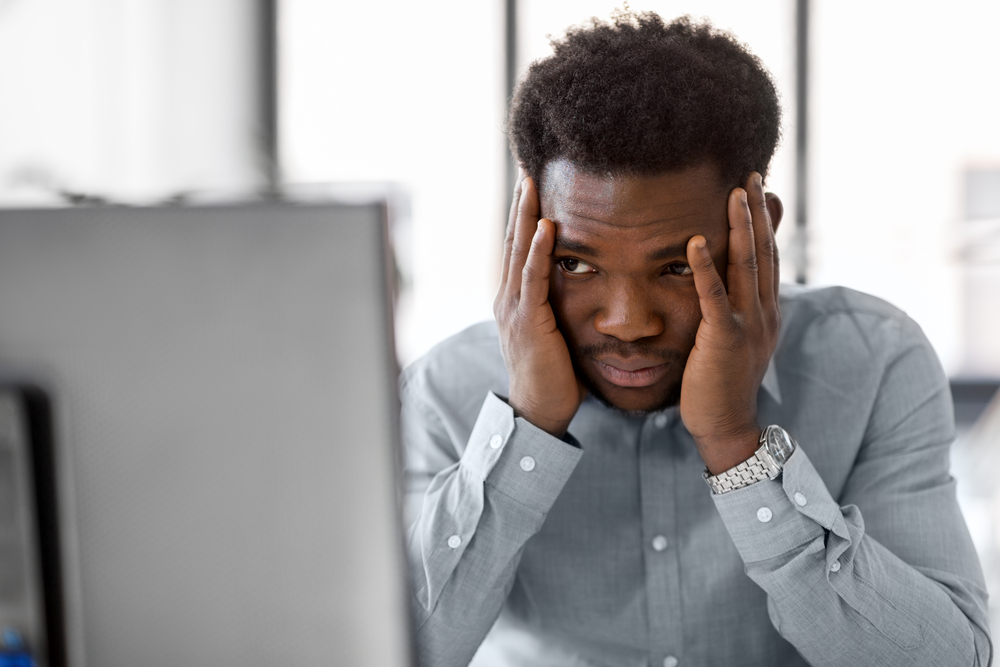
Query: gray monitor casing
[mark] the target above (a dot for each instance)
(223, 385)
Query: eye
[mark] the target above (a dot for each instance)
(575, 266)
(677, 269)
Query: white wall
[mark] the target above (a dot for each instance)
(906, 97)
(135, 100)
(409, 93)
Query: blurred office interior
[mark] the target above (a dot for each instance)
(889, 167)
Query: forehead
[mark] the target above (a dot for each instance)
(686, 202)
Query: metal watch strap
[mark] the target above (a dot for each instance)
(758, 467)
(746, 473)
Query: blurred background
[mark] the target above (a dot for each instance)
(889, 167)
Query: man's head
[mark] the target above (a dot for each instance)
(636, 132)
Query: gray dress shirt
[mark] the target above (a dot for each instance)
(615, 552)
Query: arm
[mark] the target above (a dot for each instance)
(887, 574)
(901, 586)
(472, 507)
(475, 502)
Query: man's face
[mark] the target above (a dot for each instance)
(621, 288)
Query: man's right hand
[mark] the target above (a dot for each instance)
(543, 386)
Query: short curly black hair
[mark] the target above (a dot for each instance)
(642, 97)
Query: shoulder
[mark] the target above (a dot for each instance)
(459, 370)
(856, 374)
(819, 301)
(843, 322)
(840, 349)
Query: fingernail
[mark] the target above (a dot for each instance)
(758, 180)
(699, 242)
(743, 196)
(539, 230)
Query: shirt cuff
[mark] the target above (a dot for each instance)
(773, 517)
(517, 458)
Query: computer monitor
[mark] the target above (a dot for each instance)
(221, 382)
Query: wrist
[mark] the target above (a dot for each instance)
(720, 453)
(553, 427)
(551, 416)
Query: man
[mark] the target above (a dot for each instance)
(557, 460)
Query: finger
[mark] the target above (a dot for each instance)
(524, 229)
(712, 294)
(741, 271)
(509, 233)
(535, 278)
(763, 238)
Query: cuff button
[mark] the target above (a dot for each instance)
(800, 499)
(527, 464)
(764, 514)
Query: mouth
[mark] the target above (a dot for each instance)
(634, 372)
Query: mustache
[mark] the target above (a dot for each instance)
(626, 349)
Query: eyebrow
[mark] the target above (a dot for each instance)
(580, 248)
(574, 247)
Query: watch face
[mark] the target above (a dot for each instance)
(779, 444)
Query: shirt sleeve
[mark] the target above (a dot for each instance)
(886, 574)
(472, 506)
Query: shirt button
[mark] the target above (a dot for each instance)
(527, 464)
(764, 514)
(660, 420)
(659, 543)
(496, 441)
(800, 500)
(835, 567)
(454, 541)
(670, 661)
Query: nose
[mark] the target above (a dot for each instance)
(628, 315)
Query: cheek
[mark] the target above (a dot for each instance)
(686, 315)
(573, 307)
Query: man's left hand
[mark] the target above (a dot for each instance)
(737, 334)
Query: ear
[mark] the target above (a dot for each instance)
(775, 209)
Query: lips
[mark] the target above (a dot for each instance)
(631, 372)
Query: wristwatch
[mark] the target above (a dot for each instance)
(766, 463)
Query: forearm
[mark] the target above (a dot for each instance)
(839, 596)
(875, 609)
(474, 520)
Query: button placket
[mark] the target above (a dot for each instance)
(657, 486)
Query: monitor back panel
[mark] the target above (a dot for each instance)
(222, 383)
